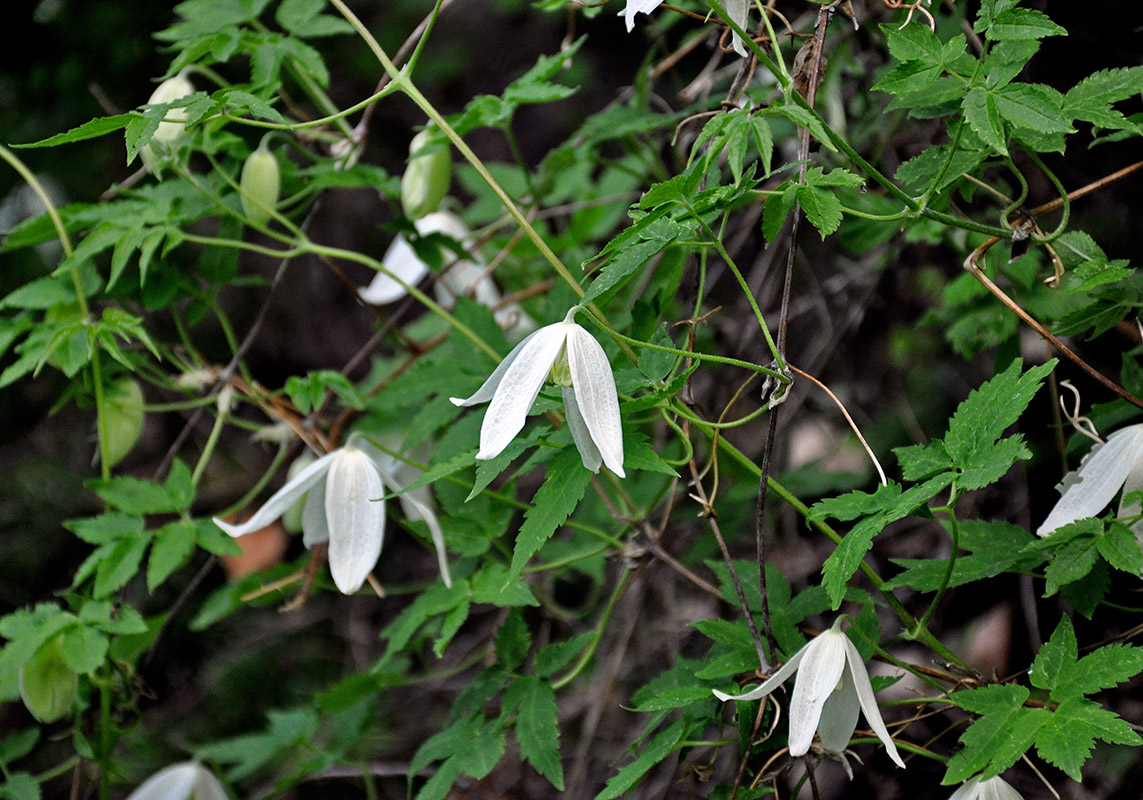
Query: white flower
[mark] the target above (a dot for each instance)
(186, 781)
(590, 402)
(992, 789)
(344, 507)
(461, 277)
(1108, 468)
(831, 685)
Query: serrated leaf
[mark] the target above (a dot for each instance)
(84, 649)
(100, 126)
(537, 731)
(1100, 669)
(657, 750)
(994, 547)
(512, 640)
(558, 654)
(980, 112)
(1120, 548)
(118, 563)
(174, 542)
(1056, 655)
(1069, 737)
(1023, 23)
(1032, 106)
(564, 484)
(1070, 563)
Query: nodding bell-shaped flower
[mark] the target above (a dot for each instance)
(992, 789)
(189, 780)
(1109, 467)
(831, 686)
(171, 127)
(344, 507)
(461, 278)
(570, 357)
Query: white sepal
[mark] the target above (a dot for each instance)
(818, 676)
(355, 513)
(588, 452)
(1087, 491)
(282, 499)
(868, 701)
(596, 396)
(188, 780)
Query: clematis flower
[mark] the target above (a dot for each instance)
(992, 789)
(344, 507)
(463, 277)
(570, 357)
(638, 7)
(1109, 467)
(831, 686)
(189, 780)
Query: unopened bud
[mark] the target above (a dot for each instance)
(47, 686)
(560, 373)
(170, 128)
(426, 178)
(260, 185)
(123, 410)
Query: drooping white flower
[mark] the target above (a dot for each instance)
(344, 507)
(460, 278)
(1115, 465)
(995, 788)
(188, 780)
(584, 374)
(831, 686)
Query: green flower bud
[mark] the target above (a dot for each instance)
(426, 178)
(170, 128)
(123, 407)
(260, 185)
(560, 373)
(47, 686)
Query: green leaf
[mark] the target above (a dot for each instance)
(174, 542)
(251, 752)
(1032, 106)
(657, 750)
(302, 18)
(1069, 737)
(1070, 563)
(980, 112)
(994, 547)
(100, 126)
(84, 649)
(1003, 733)
(566, 481)
(1056, 656)
(1120, 548)
(117, 564)
(308, 392)
(16, 745)
(513, 640)
(987, 412)
(537, 731)
(557, 654)
(20, 786)
(1022, 23)
(1091, 99)
(912, 42)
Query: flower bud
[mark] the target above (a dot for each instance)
(47, 686)
(170, 128)
(426, 178)
(123, 409)
(260, 185)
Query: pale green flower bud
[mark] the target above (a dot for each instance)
(560, 374)
(426, 178)
(123, 408)
(47, 686)
(170, 128)
(261, 183)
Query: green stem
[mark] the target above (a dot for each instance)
(1067, 206)
(954, 532)
(224, 399)
(734, 362)
(589, 651)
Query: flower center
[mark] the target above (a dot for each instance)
(560, 374)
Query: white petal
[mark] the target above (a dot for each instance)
(208, 787)
(736, 10)
(401, 261)
(997, 788)
(969, 790)
(771, 683)
(588, 452)
(444, 222)
(356, 516)
(638, 7)
(1100, 476)
(281, 499)
(518, 388)
(869, 707)
(839, 716)
(488, 389)
(315, 528)
(175, 782)
(595, 394)
(819, 674)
